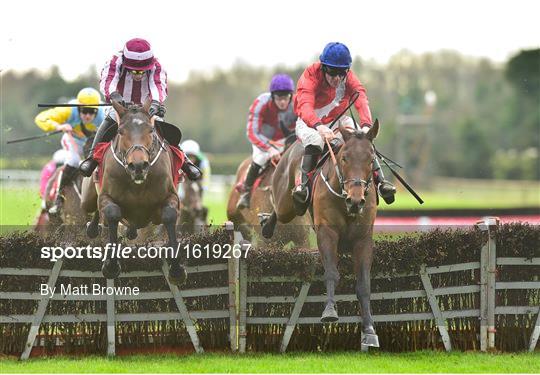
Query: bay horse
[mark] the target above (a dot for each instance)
(246, 219)
(136, 185)
(193, 214)
(343, 211)
(71, 213)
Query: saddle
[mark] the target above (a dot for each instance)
(336, 146)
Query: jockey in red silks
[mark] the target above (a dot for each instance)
(271, 119)
(324, 91)
(132, 76)
(59, 158)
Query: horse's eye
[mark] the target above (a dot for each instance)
(344, 159)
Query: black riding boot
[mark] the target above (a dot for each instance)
(68, 175)
(301, 192)
(88, 165)
(191, 170)
(385, 188)
(252, 174)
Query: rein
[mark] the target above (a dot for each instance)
(342, 182)
(134, 147)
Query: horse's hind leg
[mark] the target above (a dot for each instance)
(327, 240)
(111, 266)
(92, 227)
(169, 214)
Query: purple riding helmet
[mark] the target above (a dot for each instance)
(281, 82)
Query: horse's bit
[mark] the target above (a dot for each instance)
(342, 182)
(123, 161)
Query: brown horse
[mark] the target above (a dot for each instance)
(247, 219)
(343, 211)
(137, 185)
(71, 213)
(192, 218)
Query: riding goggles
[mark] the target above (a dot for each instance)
(88, 111)
(138, 72)
(332, 72)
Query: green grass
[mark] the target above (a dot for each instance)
(19, 206)
(418, 362)
(464, 198)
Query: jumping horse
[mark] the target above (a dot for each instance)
(137, 185)
(343, 210)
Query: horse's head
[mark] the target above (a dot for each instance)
(356, 163)
(135, 129)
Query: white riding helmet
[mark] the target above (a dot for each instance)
(190, 147)
(59, 156)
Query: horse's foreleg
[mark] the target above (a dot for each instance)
(92, 227)
(268, 223)
(169, 215)
(363, 257)
(327, 240)
(113, 214)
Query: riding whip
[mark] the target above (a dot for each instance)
(34, 137)
(48, 105)
(403, 182)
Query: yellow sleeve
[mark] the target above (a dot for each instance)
(50, 118)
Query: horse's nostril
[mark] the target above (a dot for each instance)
(146, 165)
(131, 167)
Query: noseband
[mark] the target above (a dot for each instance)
(354, 181)
(122, 159)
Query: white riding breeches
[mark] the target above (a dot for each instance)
(310, 136)
(261, 157)
(74, 149)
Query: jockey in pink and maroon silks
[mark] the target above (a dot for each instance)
(324, 91)
(132, 75)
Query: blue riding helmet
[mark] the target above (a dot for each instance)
(336, 55)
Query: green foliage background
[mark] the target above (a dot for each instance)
(486, 123)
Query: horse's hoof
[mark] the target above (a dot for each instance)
(329, 314)
(263, 218)
(92, 230)
(131, 233)
(111, 269)
(370, 339)
(267, 231)
(177, 274)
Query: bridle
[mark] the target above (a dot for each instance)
(123, 156)
(354, 181)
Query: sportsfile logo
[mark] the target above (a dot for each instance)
(118, 251)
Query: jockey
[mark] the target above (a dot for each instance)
(132, 76)
(58, 159)
(271, 119)
(193, 151)
(78, 124)
(324, 91)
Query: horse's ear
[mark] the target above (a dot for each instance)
(147, 104)
(373, 131)
(118, 107)
(346, 132)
